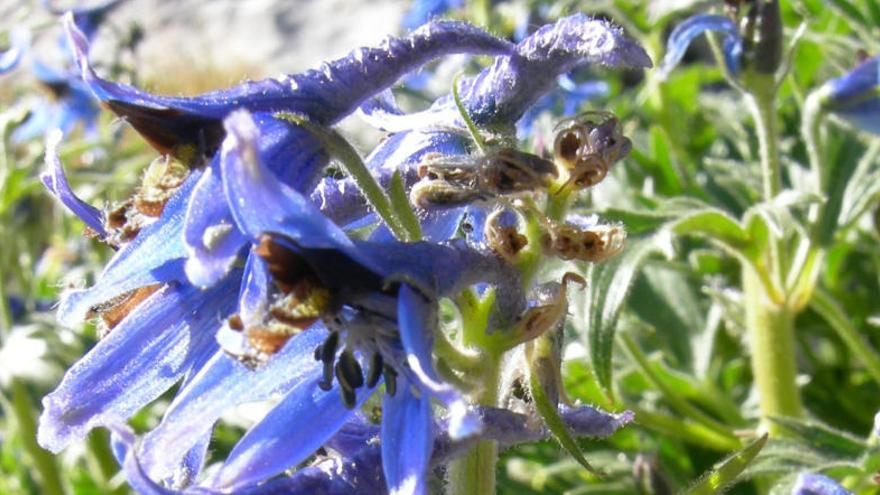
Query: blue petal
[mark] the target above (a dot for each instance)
(123, 442)
(292, 431)
(87, 19)
(503, 92)
(853, 97)
(416, 317)
(154, 256)
(56, 182)
(817, 484)
(422, 11)
(690, 29)
(148, 352)
(213, 243)
(325, 95)
(222, 384)
(261, 204)
(407, 441)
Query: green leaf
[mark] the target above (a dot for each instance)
(849, 10)
(715, 225)
(722, 477)
(823, 438)
(609, 285)
(536, 351)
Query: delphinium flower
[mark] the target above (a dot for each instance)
(752, 40)
(853, 97)
(222, 239)
(817, 484)
(70, 102)
(160, 326)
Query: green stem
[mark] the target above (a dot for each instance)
(771, 331)
(762, 104)
(101, 460)
(475, 472)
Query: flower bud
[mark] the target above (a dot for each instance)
(761, 30)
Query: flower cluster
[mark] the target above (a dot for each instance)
(242, 272)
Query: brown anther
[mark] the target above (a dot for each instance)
(267, 340)
(234, 322)
(115, 310)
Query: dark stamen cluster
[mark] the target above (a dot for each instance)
(348, 371)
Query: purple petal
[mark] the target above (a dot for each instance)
(325, 95)
(154, 256)
(56, 182)
(690, 29)
(213, 243)
(149, 351)
(292, 431)
(407, 441)
(853, 96)
(817, 484)
(503, 92)
(261, 204)
(123, 441)
(222, 384)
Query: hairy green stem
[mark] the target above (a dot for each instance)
(475, 472)
(771, 332)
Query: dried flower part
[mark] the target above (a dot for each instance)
(115, 310)
(302, 300)
(594, 244)
(551, 301)
(162, 178)
(588, 145)
(451, 180)
(503, 240)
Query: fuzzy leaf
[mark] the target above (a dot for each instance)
(722, 477)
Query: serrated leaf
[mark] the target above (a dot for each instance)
(609, 285)
(722, 477)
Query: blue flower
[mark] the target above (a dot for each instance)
(240, 286)
(191, 128)
(564, 101)
(693, 27)
(353, 463)
(817, 484)
(70, 102)
(161, 327)
(495, 99)
(854, 96)
(87, 19)
(752, 41)
(422, 11)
